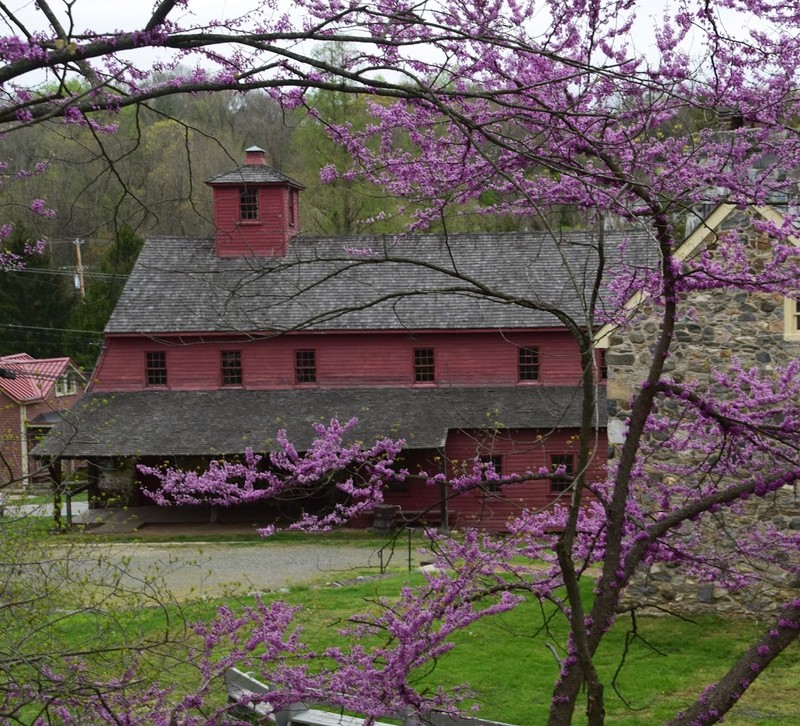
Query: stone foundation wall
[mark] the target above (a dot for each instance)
(664, 588)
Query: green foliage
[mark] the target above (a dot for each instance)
(93, 311)
(348, 204)
(35, 303)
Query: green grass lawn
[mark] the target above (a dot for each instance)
(509, 665)
(507, 658)
(512, 670)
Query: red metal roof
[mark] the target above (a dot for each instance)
(35, 377)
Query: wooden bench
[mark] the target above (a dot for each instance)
(241, 686)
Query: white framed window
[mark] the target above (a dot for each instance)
(155, 368)
(564, 464)
(66, 385)
(248, 204)
(791, 319)
(231, 367)
(496, 462)
(528, 364)
(305, 366)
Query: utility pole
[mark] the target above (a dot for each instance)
(79, 275)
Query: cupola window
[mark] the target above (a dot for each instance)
(248, 203)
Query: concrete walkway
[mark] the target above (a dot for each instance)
(190, 570)
(43, 510)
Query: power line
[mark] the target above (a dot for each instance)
(10, 326)
(70, 273)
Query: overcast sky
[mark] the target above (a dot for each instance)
(110, 15)
(106, 15)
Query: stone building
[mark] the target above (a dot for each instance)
(758, 329)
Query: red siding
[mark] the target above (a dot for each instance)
(267, 236)
(384, 359)
(344, 360)
(9, 440)
(521, 450)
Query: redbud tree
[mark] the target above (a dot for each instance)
(614, 109)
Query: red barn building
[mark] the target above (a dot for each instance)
(34, 394)
(445, 342)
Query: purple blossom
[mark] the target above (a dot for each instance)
(328, 174)
(39, 207)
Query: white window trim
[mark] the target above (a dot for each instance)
(66, 385)
(791, 320)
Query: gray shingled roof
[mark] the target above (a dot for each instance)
(254, 174)
(163, 423)
(484, 281)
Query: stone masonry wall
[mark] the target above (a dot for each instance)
(747, 326)
(663, 588)
(724, 325)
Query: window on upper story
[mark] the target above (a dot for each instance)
(528, 364)
(564, 464)
(305, 366)
(66, 385)
(231, 367)
(292, 207)
(424, 365)
(248, 203)
(791, 319)
(156, 368)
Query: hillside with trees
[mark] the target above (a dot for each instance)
(109, 191)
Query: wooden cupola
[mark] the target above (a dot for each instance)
(256, 209)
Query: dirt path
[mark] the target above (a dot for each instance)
(194, 570)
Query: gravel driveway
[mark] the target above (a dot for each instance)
(192, 570)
